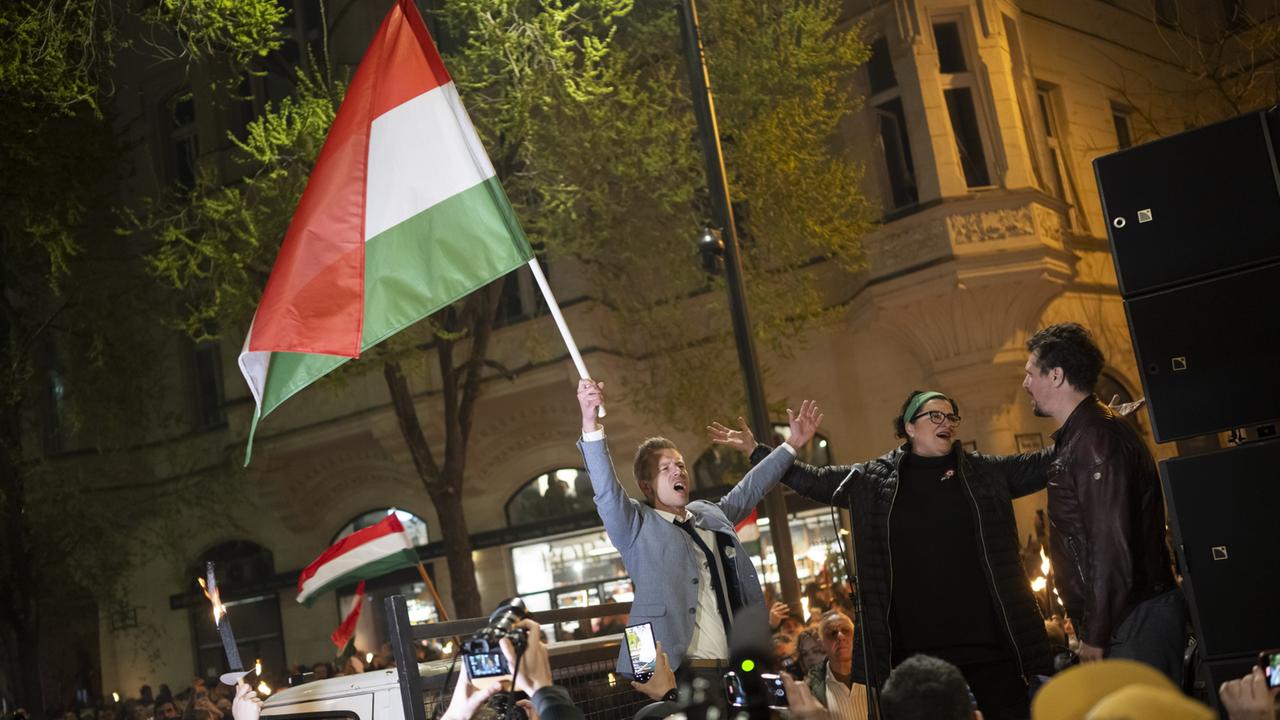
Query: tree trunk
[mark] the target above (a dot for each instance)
(17, 603)
(457, 543)
(446, 496)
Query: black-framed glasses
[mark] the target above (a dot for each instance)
(937, 416)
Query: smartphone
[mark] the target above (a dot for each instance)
(736, 692)
(643, 651)
(1269, 661)
(484, 669)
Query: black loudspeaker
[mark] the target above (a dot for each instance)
(1194, 205)
(1209, 353)
(1223, 507)
(1217, 671)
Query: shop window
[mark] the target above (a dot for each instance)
(819, 565)
(243, 570)
(371, 629)
(565, 491)
(575, 571)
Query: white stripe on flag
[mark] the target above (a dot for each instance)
(420, 152)
(253, 365)
(371, 551)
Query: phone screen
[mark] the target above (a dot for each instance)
(1269, 661)
(643, 651)
(487, 668)
(736, 692)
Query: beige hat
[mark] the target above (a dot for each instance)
(1073, 692)
(1143, 702)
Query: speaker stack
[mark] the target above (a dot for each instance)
(1194, 224)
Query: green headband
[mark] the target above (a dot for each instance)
(914, 406)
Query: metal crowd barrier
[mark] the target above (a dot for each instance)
(583, 667)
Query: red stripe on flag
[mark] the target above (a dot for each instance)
(749, 520)
(347, 629)
(388, 526)
(417, 67)
(314, 299)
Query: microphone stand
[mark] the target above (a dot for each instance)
(855, 591)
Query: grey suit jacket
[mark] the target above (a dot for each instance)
(657, 556)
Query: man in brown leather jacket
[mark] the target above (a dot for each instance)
(1106, 512)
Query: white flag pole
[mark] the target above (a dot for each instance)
(560, 323)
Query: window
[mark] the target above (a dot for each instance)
(891, 127)
(819, 566)
(208, 386)
(565, 491)
(1048, 117)
(414, 526)
(241, 567)
(1120, 116)
(184, 143)
(521, 298)
(574, 571)
(960, 91)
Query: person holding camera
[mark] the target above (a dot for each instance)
(690, 571)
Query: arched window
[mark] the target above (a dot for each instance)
(720, 466)
(564, 491)
(243, 570)
(415, 526)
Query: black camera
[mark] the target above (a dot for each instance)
(502, 624)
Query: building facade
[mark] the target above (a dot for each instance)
(980, 121)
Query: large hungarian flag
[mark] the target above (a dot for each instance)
(362, 555)
(402, 215)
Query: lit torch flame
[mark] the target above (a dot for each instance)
(1039, 584)
(264, 689)
(216, 598)
(257, 668)
(1044, 563)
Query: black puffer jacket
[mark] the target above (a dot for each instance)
(992, 483)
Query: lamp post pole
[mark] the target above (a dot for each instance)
(722, 212)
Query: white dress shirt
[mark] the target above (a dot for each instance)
(846, 703)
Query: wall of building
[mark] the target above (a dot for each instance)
(955, 286)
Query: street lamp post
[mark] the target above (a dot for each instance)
(722, 213)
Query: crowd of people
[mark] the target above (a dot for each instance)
(927, 517)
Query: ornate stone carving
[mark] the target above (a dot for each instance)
(1049, 222)
(988, 225)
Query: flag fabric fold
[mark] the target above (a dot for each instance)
(347, 630)
(364, 554)
(402, 215)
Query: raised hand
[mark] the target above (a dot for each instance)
(804, 423)
(247, 705)
(663, 679)
(590, 398)
(741, 439)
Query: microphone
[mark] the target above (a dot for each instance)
(854, 472)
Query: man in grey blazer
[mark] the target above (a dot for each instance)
(690, 571)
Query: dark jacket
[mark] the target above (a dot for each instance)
(992, 482)
(1106, 511)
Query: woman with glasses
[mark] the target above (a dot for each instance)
(937, 551)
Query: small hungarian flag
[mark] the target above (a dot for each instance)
(368, 553)
(347, 630)
(402, 216)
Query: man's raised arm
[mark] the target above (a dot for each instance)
(620, 517)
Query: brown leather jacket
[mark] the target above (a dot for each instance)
(1107, 515)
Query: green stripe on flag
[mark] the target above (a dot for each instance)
(416, 268)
